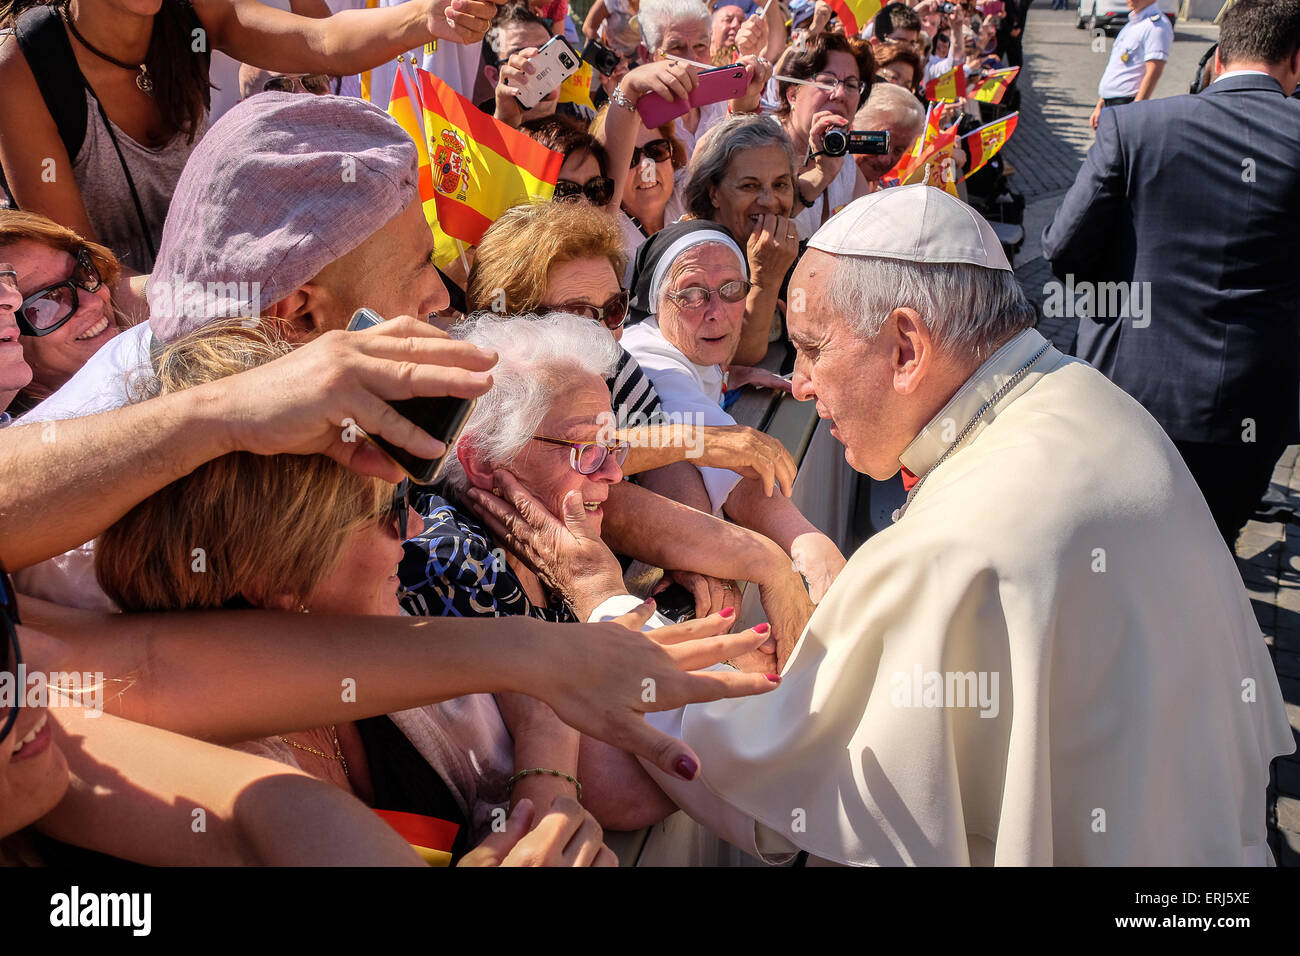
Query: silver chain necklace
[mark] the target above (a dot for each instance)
(993, 399)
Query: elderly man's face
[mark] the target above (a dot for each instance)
(850, 379)
(688, 40)
(901, 137)
(727, 21)
(392, 272)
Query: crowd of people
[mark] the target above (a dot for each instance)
(198, 508)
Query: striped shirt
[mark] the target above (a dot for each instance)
(634, 399)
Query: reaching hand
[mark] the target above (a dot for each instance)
(510, 85)
(320, 398)
(601, 678)
(711, 594)
(818, 560)
(751, 38)
(672, 79)
(567, 836)
(749, 453)
(771, 249)
(738, 375)
(460, 21)
(566, 553)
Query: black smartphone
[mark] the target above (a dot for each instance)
(442, 416)
(602, 59)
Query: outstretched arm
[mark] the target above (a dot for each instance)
(143, 794)
(347, 42)
(228, 676)
(297, 404)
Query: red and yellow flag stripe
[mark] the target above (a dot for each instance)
(473, 167)
(430, 837)
(855, 14)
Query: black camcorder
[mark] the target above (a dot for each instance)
(870, 142)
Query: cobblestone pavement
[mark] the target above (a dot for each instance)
(1051, 138)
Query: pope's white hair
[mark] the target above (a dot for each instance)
(538, 359)
(658, 16)
(969, 310)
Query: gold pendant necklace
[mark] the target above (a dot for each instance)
(337, 755)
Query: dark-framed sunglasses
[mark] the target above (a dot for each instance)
(317, 84)
(612, 314)
(698, 296)
(47, 310)
(660, 150)
(587, 457)
(398, 510)
(13, 655)
(599, 190)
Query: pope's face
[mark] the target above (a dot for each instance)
(848, 377)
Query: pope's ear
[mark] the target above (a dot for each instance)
(912, 348)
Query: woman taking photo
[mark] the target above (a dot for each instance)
(827, 80)
(101, 101)
(742, 176)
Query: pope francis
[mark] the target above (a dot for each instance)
(1049, 657)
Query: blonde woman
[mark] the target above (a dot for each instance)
(299, 533)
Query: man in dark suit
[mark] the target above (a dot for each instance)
(1189, 207)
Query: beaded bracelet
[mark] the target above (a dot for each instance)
(553, 773)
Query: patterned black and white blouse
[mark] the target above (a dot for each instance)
(453, 568)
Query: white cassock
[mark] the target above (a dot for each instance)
(1049, 659)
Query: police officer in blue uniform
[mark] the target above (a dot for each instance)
(1137, 58)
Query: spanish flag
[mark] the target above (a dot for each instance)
(855, 14)
(948, 88)
(430, 837)
(576, 87)
(936, 166)
(994, 86)
(472, 167)
(907, 165)
(982, 144)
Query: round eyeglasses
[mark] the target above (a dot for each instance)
(697, 296)
(830, 83)
(599, 190)
(612, 314)
(48, 309)
(587, 457)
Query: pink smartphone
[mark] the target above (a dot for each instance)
(714, 86)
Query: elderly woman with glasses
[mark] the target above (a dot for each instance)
(560, 257)
(822, 86)
(66, 314)
(691, 283)
(301, 534)
(742, 176)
